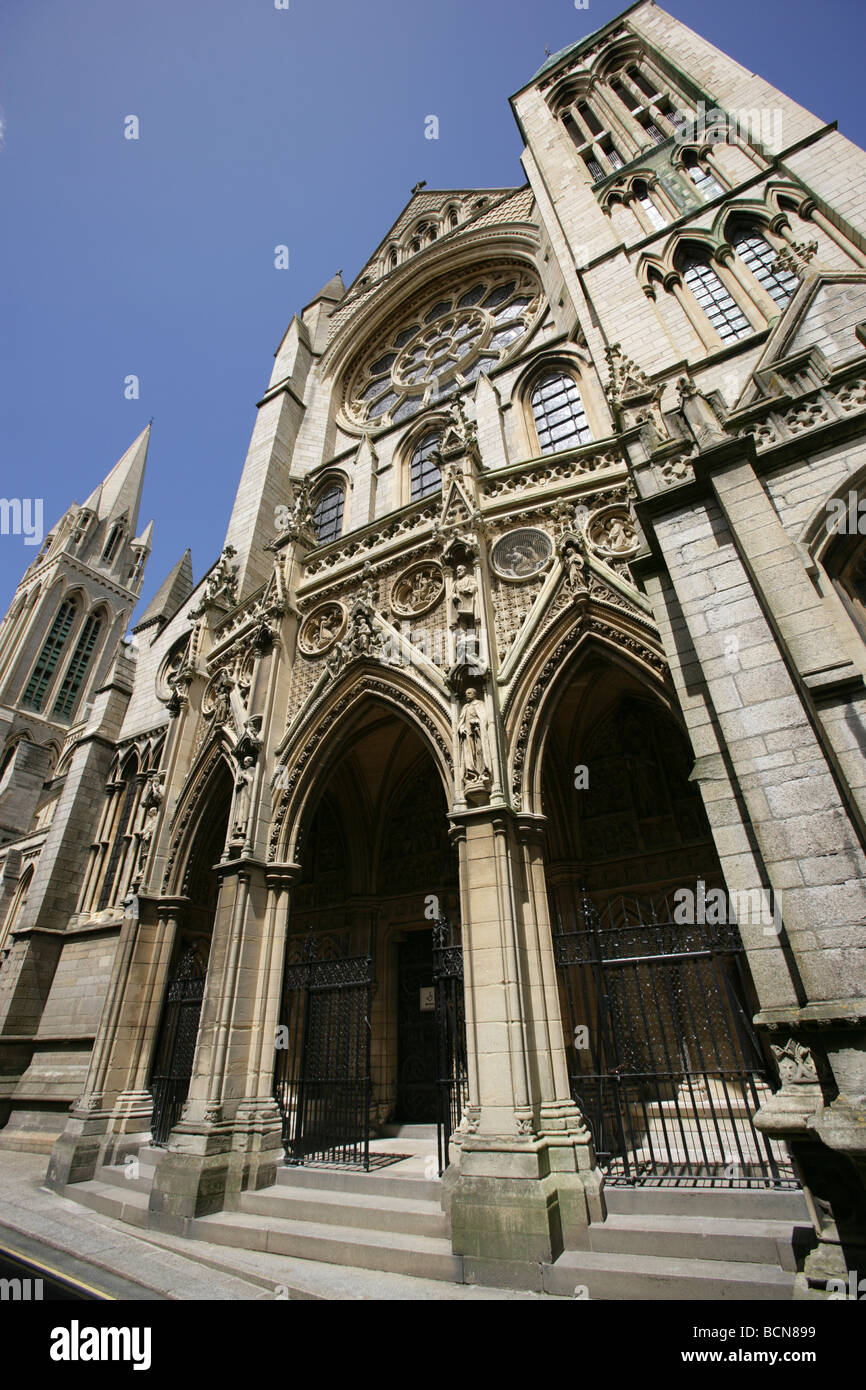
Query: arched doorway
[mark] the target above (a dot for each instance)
(654, 985)
(369, 991)
(174, 1051)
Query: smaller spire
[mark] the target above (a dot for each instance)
(334, 290)
(169, 597)
(145, 540)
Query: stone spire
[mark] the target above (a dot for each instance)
(174, 591)
(119, 493)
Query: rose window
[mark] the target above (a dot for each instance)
(455, 336)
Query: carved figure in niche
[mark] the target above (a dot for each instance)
(320, 630)
(324, 631)
(617, 534)
(243, 796)
(574, 564)
(465, 597)
(221, 698)
(418, 590)
(472, 739)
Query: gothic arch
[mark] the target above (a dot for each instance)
(601, 629)
(17, 904)
(202, 787)
(306, 762)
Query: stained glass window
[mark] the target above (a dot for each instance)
(717, 303)
(455, 336)
(759, 256)
(424, 469)
(328, 515)
(560, 419)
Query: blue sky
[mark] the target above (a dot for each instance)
(258, 127)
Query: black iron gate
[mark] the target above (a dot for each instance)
(452, 1072)
(175, 1049)
(322, 1071)
(664, 1061)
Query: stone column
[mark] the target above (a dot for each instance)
(757, 648)
(112, 1115)
(523, 1185)
(229, 1136)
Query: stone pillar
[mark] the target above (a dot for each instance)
(523, 1185)
(757, 647)
(229, 1136)
(112, 1116)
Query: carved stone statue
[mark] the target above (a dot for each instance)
(465, 597)
(221, 699)
(574, 564)
(473, 744)
(222, 584)
(243, 797)
(617, 534)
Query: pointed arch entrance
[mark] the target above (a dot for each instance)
(174, 1051)
(364, 1009)
(655, 989)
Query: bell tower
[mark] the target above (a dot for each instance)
(61, 630)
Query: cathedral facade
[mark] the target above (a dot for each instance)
(503, 780)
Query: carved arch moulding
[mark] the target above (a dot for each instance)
(301, 764)
(543, 678)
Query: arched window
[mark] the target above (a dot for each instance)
(702, 179)
(392, 259)
(46, 665)
(560, 419)
(77, 668)
(643, 83)
(328, 514)
(120, 842)
(649, 207)
(845, 565)
(424, 474)
(757, 253)
(16, 907)
(112, 543)
(721, 309)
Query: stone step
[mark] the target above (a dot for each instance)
(759, 1204)
(611, 1276)
(425, 1257)
(697, 1237)
(410, 1215)
(374, 1184)
(124, 1203)
(427, 1132)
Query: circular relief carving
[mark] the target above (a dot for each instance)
(321, 629)
(417, 590)
(169, 669)
(521, 554)
(612, 533)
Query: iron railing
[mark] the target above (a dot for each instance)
(322, 1081)
(452, 1069)
(664, 1060)
(175, 1049)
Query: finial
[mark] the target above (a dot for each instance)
(419, 186)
